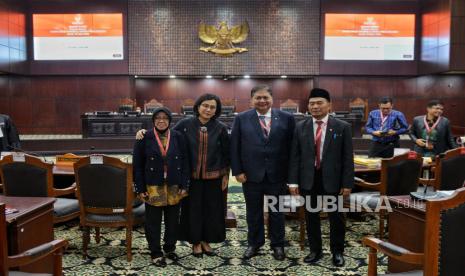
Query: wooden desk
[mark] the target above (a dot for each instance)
(30, 227)
(406, 229)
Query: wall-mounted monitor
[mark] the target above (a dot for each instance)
(369, 36)
(88, 36)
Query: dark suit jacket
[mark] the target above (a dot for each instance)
(253, 154)
(10, 134)
(445, 140)
(148, 162)
(337, 163)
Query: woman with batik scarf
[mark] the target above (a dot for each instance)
(161, 170)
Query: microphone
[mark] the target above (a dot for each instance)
(15, 149)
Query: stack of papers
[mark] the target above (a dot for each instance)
(368, 162)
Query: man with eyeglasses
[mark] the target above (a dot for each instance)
(385, 125)
(260, 146)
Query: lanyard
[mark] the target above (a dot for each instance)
(430, 129)
(266, 127)
(383, 118)
(163, 150)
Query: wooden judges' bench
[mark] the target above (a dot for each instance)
(109, 124)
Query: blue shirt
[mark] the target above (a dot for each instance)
(395, 121)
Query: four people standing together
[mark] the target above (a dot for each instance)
(271, 156)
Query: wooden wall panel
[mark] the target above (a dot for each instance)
(172, 92)
(410, 94)
(54, 104)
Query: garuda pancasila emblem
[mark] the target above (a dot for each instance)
(223, 38)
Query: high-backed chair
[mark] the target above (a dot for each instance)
(450, 170)
(359, 106)
(228, 107)
(289, 106)
(126, 104)
(106, 197)
(399, 176)
(151, 106)
(187, 107)
(444, 241)
(34, 178)
(32, 255)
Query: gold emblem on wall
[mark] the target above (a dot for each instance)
(223, 38)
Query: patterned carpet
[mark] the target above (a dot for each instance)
(109, 257)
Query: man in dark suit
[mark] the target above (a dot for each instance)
(9, 138)
(321, 163)
(431, 132)
(260, 145)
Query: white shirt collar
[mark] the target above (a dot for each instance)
(325, 120)
(267, 115)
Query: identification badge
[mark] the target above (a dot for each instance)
(18, 157)
(96, 159)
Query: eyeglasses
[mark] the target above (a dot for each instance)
(161, 118)
(207, 106)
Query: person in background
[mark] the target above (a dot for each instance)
(207, 139)
(260, 147)
(9, 138)
(321, 164)
(161, 171)
(385, 125)
(431, 132)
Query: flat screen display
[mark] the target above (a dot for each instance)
(369, 36)
(78, 36)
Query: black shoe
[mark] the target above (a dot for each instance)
(160, 262)
(278, 253)
(338, 259)
(250, 252)
(197, 254)
(210, 253)
(313, 257)
(172, 256)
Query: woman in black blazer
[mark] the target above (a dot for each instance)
(161, 171)
(207, 140)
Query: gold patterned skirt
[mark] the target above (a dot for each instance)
(163, 195)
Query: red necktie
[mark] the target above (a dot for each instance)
(319, 131)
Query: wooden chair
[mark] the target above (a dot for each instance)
(34, 178)
(444, 241)
(399, 176)
(106, 198)
(126, 104)
(32, 255)
(449, 171)
(228, 107)
(187, 107)
(289, 106)
(151, 106)
(359, 106)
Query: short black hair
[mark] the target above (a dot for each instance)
(208, 97)
(385, 100)
(434, 102)
(261, 87)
